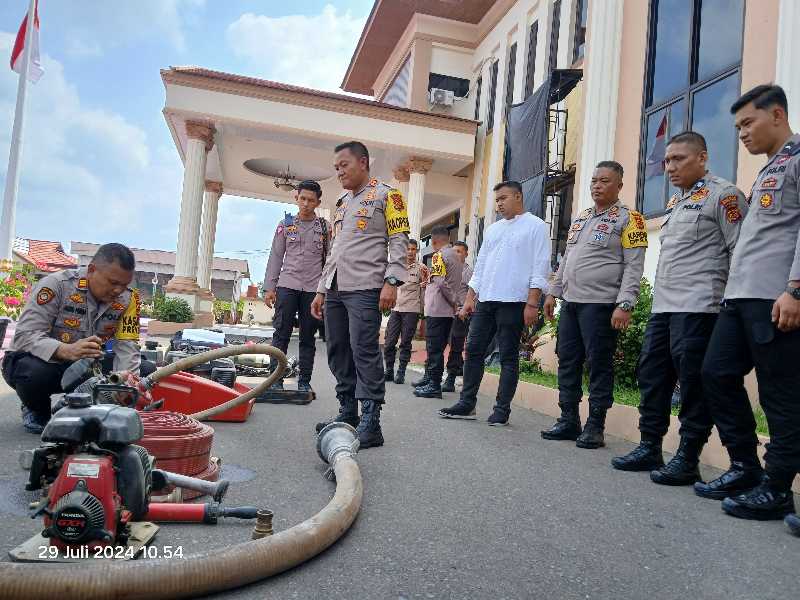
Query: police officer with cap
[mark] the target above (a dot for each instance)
(700, 230)
(759, 324)
(71, 315)
(293, 273)
(360, 280)
(598, 281)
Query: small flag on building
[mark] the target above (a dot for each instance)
(655, 159)
(35, 70)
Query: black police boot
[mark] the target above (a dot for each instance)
(449, 384)
(304, 385)
(348, 413)
(426, 379)
(567, 427)
(793, 523)
(432, 390)
(740, 478)
(400, 376)
(592, 436)
(645, 457)
(389, 374)
(772, 499)
(683, 469)
(369, 429)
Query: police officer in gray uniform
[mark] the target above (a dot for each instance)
(71, 315)
(700, 229)
(759, 324)
(460, 329)
(358, 282)
(598, 281)
(293, 273)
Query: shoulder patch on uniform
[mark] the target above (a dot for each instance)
(731, 205)
(396, 213)
(128, 326)
(635, 233)
(44, 296)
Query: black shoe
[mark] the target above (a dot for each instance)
(432, 390)
(348, 413)
(793, 523)
(449, 384)
(645, 457)
(304, 386)
(736, 480)
(458, 411)
(369, 428)
(422, 382)
(770, 500)
(278, 385)
(400, 376)
(389, 374)
(567, 427)
(592, 435)
(33, 422)
(683, 469)
(498, 419)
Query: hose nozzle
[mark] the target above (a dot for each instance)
(263, 526)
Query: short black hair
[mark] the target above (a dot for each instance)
(762, 96)
(357, 149)
(613, 165)
(514, 185)
(440, 232)
(311, 186)
(689, 137)
(108, 254)
(413, 242)
(462, 244)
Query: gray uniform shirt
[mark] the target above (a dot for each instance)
(364, 224)
(441, 293)
(62, 310)
(700, 230)
(409, 295)
(767, 255)
(604, 259)
(296, 257)
(466, 275)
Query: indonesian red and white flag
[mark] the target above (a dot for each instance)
(654, 165)
(35, 70)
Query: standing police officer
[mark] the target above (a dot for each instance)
(293, 273)
(69, 316)
(441, 301)
(701, 227)
(358, 282)
(460, 329)
(403, 320)
(598, 280)
(759, 324)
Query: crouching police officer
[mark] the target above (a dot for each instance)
(358, 282)
(69, 316)
(759, 324)
(701, 227)
(598, 280)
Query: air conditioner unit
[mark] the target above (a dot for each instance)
(441, 97)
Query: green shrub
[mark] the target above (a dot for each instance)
(173, 310)
(629, 343)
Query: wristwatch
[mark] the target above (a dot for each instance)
(794, 292)
(393, 281)
(625, 305)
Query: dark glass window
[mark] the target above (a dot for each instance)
(478, 85)
(581, 15)
(553, 58)
(512, 67)
(491, 97)
(693, 76)
(459, 87)
(530, 71)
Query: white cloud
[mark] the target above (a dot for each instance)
(307, 50)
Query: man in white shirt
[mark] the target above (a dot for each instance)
(503, 298)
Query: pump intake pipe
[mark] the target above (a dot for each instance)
(209, 513)
(224, 352)
(214, 489)
(212, 571)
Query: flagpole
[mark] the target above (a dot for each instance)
(12, 175)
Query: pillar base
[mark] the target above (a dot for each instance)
(205, 294)
(180, 285)
(203, 319)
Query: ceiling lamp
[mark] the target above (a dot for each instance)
(285, 181)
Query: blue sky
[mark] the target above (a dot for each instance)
(98, 162)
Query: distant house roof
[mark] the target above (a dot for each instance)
(225, 268)
(46, 256)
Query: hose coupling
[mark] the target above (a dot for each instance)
(263, 526)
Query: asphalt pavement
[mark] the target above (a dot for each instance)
(458, 509)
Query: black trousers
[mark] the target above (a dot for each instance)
(743, 338)
(401, 326)
(585, 335)
(289, 303)
(437, 332)
(458, 337)
(506, 320)
(35, 379)
(672, 351)
(353, 324)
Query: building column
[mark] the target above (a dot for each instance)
(602, 68)
(787, 74)
(184, 282)
(417, 168)
(208, 231)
